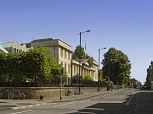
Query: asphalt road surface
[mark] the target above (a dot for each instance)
(128, 101)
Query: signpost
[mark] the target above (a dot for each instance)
(78, 78)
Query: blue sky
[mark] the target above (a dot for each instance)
(126, 25)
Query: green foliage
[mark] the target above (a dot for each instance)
(77, 54)
(103, 80)
(116, 65)
(3, 67)
(110, 83)
(36, 65)
(87, 78)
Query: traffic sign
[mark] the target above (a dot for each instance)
(79, 77)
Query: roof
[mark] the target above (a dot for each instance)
(2, 49)
(39, 40)
(48, 39)
(7, 44)
(20, 47)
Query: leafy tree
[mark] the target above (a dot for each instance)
(3, 67)
(40, 64)
(36, 65)
(116, 65)
(13, 68)
(77, 54)
(88, 78)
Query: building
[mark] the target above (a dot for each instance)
(62, 52)
(86, 68)
(12, 47)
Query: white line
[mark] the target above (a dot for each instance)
(51, 103)
(128, 102)
(30, 106)
(21, 107)
(86, 100)
(22, 112)
(62, 104)
(38, 104)
(15, 108)
(137, 104)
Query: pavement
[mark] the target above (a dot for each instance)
(6, 104)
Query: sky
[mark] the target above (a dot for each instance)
(126, 25)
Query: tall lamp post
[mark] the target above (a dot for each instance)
(99, 69)
(80, 57)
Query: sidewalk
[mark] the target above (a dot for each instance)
(6, 104)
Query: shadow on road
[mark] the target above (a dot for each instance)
(104, 108)
(137, 103)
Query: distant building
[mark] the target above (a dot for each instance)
(12, 47)
(86, 68)
(9, 47)
(22, 48)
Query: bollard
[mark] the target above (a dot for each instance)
(41, 97)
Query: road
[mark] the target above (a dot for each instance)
(128, 101)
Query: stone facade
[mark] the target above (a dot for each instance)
(62, 52)
(85, 68)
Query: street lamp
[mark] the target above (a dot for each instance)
(99, 68)
(80, 56)
(61, 73)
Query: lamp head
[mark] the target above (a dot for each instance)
(88, 31)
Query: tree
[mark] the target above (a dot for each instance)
(77, 54)
(116, 65)
(39, 64)
(87, 78)
(36, 65)
(3, 67)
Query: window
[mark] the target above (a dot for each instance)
(68, 55)
(69, 68)
(14, 50)
(65, 66)
(65, 54)
(61, 52)
(74, 70)
(62, 64)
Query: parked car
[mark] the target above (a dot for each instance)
(144, 87)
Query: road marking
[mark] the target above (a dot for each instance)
(43, 103)
(86, 113)
(51, 103)
(86, 100)
(38, 104)
(128, 102)
(96, 108)
(137, 104)
(29, 106)
(62, 104)
(22, 112)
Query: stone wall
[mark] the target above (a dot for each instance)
(51, 92)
